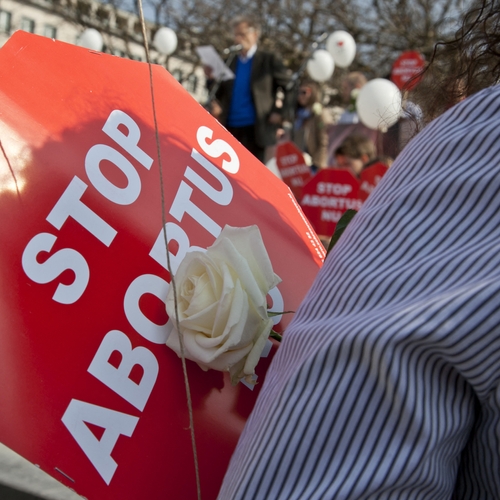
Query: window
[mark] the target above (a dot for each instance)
(5, 20)
(83, 8)
(177, 74)
(103, 15)
(121, 23)
(50, 31)
(27, 24)
(192, 84)
(118, 52)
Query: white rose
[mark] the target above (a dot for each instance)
(221, 298)
(317, 108)
(354, 93)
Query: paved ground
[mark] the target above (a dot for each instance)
(20, 480)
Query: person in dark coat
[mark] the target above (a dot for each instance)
(248, 102)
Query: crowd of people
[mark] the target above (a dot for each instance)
(387, 381)
(247, 105)
(263, 104)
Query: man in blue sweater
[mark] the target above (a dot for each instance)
(248, 102)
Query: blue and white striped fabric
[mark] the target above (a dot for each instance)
(387, 384)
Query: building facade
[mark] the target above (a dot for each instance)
(66, 20)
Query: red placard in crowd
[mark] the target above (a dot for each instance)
(369, 178)
(327, 196)
(406, 66)
(292, 167)
(90, 393)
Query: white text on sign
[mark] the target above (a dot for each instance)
(70, 205)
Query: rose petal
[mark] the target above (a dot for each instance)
(249, 243)
(216, 281)
(221, 339)
(245, 329)
(224, 253)
(202, 321)
(224, 361)
(242, 326)
(236, 370)
(214, 358)
(194, 264)
(246, 367)
(225, 301)
(260, 342)
(190, 266)
(202, 295)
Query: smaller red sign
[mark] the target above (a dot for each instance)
(327, 196)
(370, 177)
(409, 64)
(292, 166)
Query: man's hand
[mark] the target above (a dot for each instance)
(215, 109)
(209, 72)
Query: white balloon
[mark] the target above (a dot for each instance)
(342, 47)
(320, 66)
(91, 39)
(379, 104)
(165, 41)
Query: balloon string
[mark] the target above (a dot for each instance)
(172, 280)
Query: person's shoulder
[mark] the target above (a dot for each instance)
(488, 96)
(493, 91)
(262, 53)
(266, 54)
(476, 111)
(463, 131)
(261, 50)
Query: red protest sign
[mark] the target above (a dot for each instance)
(327, 196)
(292, 167)
(90, 393)
(370, 177)
(406, 66)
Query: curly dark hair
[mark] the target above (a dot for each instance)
(463, 66)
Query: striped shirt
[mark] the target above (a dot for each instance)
(387, 383)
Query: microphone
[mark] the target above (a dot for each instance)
(322, 37)
(318, 40)
(233, 48)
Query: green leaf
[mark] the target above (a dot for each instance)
(272, 314)
(340, 227)
(276, 336)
